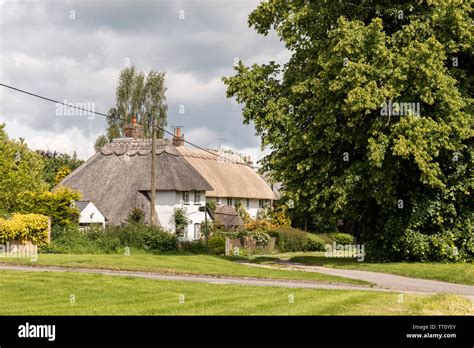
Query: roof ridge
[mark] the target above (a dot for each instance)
(219, 155)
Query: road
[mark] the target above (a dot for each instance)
(387, 281)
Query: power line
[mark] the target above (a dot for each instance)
(97, 113)
(51, 100)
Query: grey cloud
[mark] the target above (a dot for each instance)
(80, 59)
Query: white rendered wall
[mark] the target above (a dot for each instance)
(167, 201)
(253, 207)
(91, 215)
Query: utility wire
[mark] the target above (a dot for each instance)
(97, 113)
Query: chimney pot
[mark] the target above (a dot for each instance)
(178, 138)
(134, 130)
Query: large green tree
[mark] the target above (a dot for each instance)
(58, 204)
(20, 170)
(58, 165)
(404, 181)
(139, 95)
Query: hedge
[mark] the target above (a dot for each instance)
(316, 243)
(216, 245)
(25, 228)
(293, 239)
(341, 238)
(112, 239)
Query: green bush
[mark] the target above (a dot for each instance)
(324, 237)
(31, 228)
(70, 239)
(342, 238)
(55, 204)
(290, 239)
(158, 240)
(136, 216)
(315, 243)
(111, 239)
(241, 235)
(415, 246)
(195, 247)
(130, 235)
(217, 245)
(4, 214)
(408, 244)
(181, 220)
(442, 247)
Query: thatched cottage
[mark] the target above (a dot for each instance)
(117, 179)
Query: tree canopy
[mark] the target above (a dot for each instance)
(57, 204)
(139, 95)
(20, 170)
(26, 176)
(370, 120)
(58, 165)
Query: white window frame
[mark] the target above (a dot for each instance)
(247, 204)
(229, 201)
(185, 197)
(197, 197)
(261, 203)
(218, 200)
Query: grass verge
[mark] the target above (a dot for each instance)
(174, 264)
(48, 293)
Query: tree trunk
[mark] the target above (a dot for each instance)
(153, 175)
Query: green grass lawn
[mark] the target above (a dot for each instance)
(460, 273)
(48, 293)
(175, 264)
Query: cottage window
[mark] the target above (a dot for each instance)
(218, 200)
(248, 203)
(197, 197)
(185, 197)
(229, 201)
(260, 203)
(197, 231)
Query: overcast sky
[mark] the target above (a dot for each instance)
(75, 50)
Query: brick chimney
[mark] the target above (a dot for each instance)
(133, 130)
(178, 138)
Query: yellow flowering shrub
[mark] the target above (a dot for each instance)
(24, 228)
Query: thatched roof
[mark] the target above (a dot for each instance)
(228, 175)
(226, 215)
(81, 205)
(117, 176)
